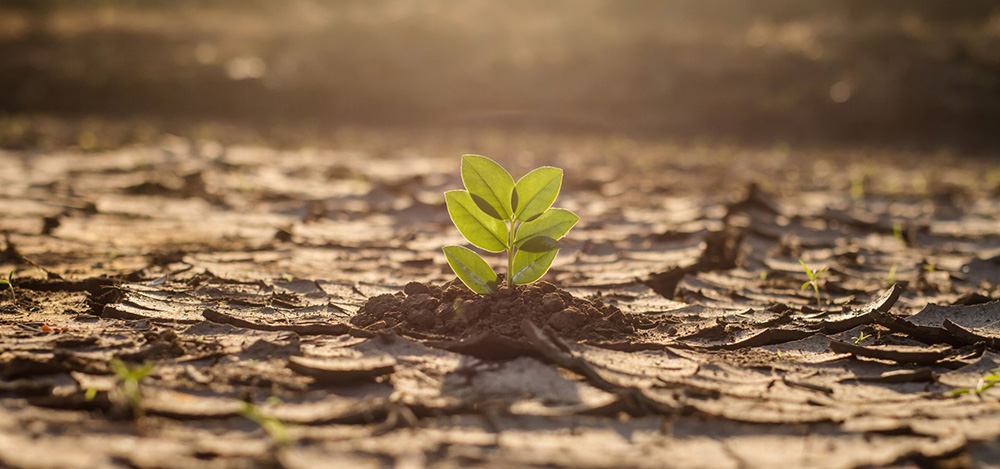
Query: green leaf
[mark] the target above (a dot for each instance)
(540, 244)
(536, 191)
(487, 180)
(530, 266)
(486, 207)
(806, 285)
(554, 223)
(477, 227)
(474, 272)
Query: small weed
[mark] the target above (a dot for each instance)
(129, 379)
(986, 382)
(10, 284)
(861, 336)
(496, 214)
(274, 427)
(858, 188)
(763, 276)
(897, 232)
(891, 278)
(814, 277)
(929, 267)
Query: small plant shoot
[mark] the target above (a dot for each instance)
(497, 214)
(9, 281)
(813, 280)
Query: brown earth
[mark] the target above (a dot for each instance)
(671, 330)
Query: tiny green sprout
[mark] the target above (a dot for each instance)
(929, 267)
(274, 427)
(763, 276)
(861, 336)
(813, 280)
(10, 284)
(897, 232)
(496, 214)
(891, 278)
(858, 188)
(986, 382)
(129, 379)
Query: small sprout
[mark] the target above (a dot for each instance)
(929, 267)
(858, 188)
(90, 395)
(861, 336)
(763, 276)
(813, 280)
(897, 232)
(274, 427)
(129, 379)
(10, 284)
(986, 382)
(891, 278)
(496, 214)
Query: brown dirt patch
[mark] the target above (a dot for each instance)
(453, 311)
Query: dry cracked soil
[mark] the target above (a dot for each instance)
(296, 310)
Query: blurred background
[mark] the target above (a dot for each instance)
(903, 73)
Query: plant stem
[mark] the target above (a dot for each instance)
(510, 253)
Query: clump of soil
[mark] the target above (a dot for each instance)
(453, 310)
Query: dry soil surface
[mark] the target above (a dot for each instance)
(672, 330)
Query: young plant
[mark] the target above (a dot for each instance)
(10, 284)
(496, 214)
(813, 280)
(128, 383)
(988, 381)
(861, 336)
(274, 427)
(891, 277)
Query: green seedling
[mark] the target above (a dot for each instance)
(10, 284)
(891, 278)
(861, 336)
(813, 280)
(496, 214)
(274, 427)
(129, 379)
(986, 382)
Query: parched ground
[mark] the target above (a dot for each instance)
(235, 272)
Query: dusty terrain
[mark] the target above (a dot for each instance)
(238, 271)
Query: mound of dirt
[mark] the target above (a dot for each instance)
(453, 311)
